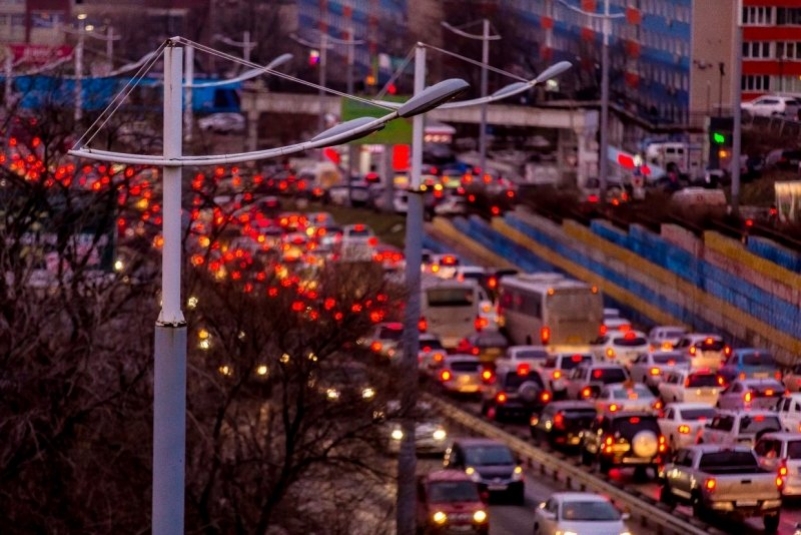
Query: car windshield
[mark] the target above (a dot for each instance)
(608, 375)
(632, 393)
(702, 379)
(711, 345)
(670, 359)
(630, 342)
(794, 449)
(465, 366)
(390, 333)
(588, 511)
(722, 459)
(491, 340)
(359, 232)
(572, 361)
(758, 359)
(346, 376)
(488, 455)
(430, 345)
(531, 354)
(631, 425)
(698, 414)
(768, 389)
(449, 297)
(759, 423)
(514, 380)
(453, 491)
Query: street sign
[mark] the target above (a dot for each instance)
(397, 132)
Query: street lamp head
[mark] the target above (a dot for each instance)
(280, 60)
(554, 70)
(432, 96)
(357, 126)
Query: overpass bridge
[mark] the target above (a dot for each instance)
(577, 127)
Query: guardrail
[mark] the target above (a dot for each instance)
(645, 510)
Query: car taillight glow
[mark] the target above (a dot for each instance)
(501, 397)
(602, 330)
(486, 376)
(445, 375)
(557, 374)
(586, 392)
(747, 397)
(559, 420)
(545, 397)
(710, 484)
(480, 323)
(545, 335)
(375, 346)
(422, 324)
(684, 429)
(613, 407)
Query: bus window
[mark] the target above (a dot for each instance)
(449, 297)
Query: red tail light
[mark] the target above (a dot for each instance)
(474, 350)
(613, 408)
(480, 323)
(445, 376)
(655, 371)
(710, 484)
(487, 376)
(693, 350)
(721, 381)
(783, 469)
(727, 351)
(747, 397)
(545, 335)
(557, 374)
(422, 324)
(545, 396)
(501, 398)
(523, 369)
(586, 392)
(492, 282)
(684, 429)
(375, 346)
(559, 420)
(602, 330)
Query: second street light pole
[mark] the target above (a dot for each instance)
(603, 149)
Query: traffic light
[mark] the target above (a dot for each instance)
(718, 138)
(314, 57)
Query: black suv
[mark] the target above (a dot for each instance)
(491, 464)
(624, 439)
(515, 391)
(561, 422)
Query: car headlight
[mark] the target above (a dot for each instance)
(566, 533)
(332, 393)
(439, 517)
(368, 393)
(625, 533)
(261, 370)
(517, 474)
(475, 476)
(439, 434)
(397, 434)
(480, 516)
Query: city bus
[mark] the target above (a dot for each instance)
(450, 309)
(549, 309)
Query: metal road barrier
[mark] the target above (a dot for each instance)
(656, 517)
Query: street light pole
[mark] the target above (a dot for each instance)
(78, 113)
(736, 110)
(321, 82)
(485, 38)
(603, 149)
(169, 390)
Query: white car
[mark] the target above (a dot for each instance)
(587, 381)
(651, 368)
(789, 410)
(729, 428)
(444, 265)
(460, 374)
(533, 355)
(579, 513)
(665, 337)
(689, 385)
(772, 106)
(780, 453)
(707, 351)
(223, 123)
(358, 241)
(615, 323)
(431, 353)
(625, 397)
(620, 347)
(681, 423)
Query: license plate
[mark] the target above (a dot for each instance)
(760, 375)
(467, 527)
(496, 487)
(359, 195)
(747, 503)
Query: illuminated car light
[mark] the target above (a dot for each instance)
(332, 393)
(261, 370)
(440, 435)
(470, 471)
(368, 393)
(480, 516)
(397, 434)
(439, 517)
(517, 475)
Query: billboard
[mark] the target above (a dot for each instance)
(397, 132)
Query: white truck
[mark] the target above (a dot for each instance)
(723, 480)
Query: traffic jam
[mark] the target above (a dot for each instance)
(705, 427)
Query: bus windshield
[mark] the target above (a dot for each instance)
(571, 305)
(449, 297)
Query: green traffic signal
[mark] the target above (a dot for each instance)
(718, 138)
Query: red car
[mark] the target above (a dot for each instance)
(448, 501)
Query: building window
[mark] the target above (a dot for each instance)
(788, 50)
(756, 83)
(788, 16)
(756, 49)
(758, 16)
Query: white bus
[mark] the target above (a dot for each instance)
(450, 308)
(549, 309)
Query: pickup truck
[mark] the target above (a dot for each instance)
(724, 480)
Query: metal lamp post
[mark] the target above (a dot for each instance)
(603, 149)
(736, 110)
(485, 38)
(169, 403)
(405, 519)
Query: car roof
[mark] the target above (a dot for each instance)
(755, 381)
(571, 404)
(629, 414)
(717, 447)
(461, 357)
(747, 412)
(582, 496)
(688, 405)
(478, 441)
(447, 475)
